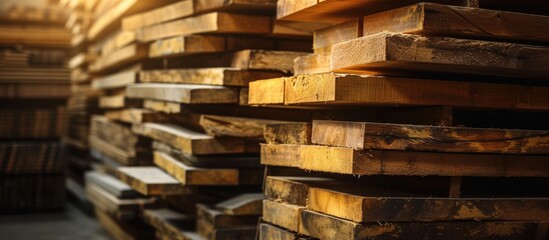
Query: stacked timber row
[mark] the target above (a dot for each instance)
(177, 131)
(443, 114)
(34, 85)
(82, 103)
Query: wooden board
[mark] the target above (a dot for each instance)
(210, 76)
(183, 93)
(370, 204)
(245, 204)
(223, 126)
(312, 63)
(342, 32)
(123, 209)
(136, 116)
(119, 79)
(389, 52)
(121, 156)
(189, 141)
(282, 214)
(124, 230)
(150, 181)
(290, 190)
(461, 22)
(245, 59)
(110, 19)
(288, 133)
(323, 226)
(268, 231)
(117, 41)
(158, 15)
(217, 161)
(213, 224)
(38, 36)
(334, 11)
(189, 175)
(341, 89)
(216, 22)
(119, 59)
(384, 162)
(111, 185)
(173, 224)
(118, 101)
(364, 135)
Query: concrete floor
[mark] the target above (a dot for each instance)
(70, 224)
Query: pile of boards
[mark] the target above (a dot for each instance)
(34, 85)
(176, 142)
(440, 108)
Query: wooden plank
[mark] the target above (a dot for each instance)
(216, 22)
(365, 204)
(338, 33)
(119, 155)
(288, 133)
(150, 181)
(118, 101)
(282, 214)
(124, 230)
(218, 161)
(189, 175)
(323, 226)
(275, 155)
(169, 12)
(291, 190)
(342, 89)
(385, 52)
(268, 231)
(210, 76)
(119, 79)
(245, 59)
(433, 19)
(111, 185)
(183, 93)
(123, 209)
(349, 161)
(173, 224)
(136, 116)
(364, 135)
(245, 204)
(334, 11)
(256, 94)
(39, 36)
(223, 126)
(213, 224)
(117, 41)
(189, 141)
(111, 18)
(119, 59)
(312, 63)
(244, 6)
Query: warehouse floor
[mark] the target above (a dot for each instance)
(69, 224)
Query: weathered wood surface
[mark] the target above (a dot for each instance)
(183, 93)
(268, 232)
(288, 133)
(245, 204)
(342, 89)
(216, 22)
(189, 175)
(213, 224)
(209, 76)
(150, 180)
(323, 226)
(365, 135)
(188, 141)
(388, 162)
(461, 22)
(282, 214)
(291, 190)
(386, 52)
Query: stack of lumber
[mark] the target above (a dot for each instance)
(34, 85)
(82, 103)
(442, 111)
(171, 81)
